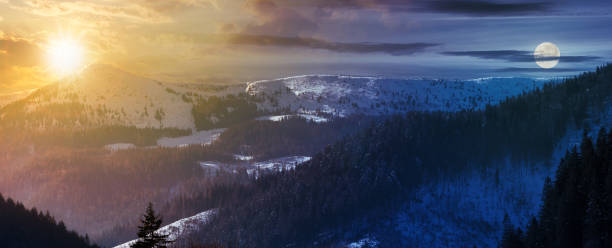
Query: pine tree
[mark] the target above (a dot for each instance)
(511, 238)
(548, 213)
(596, 213)
(147, 237)
(534, 237)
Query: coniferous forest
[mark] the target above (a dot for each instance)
(366, 173)
(576, 205)
(21, 227)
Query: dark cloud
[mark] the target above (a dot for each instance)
(476, 7)
(520, 69)
(278, 19)
(396, 49)
(518, 56)
(577, 59)
(468, 7)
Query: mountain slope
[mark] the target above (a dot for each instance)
(102, 95)
(180, 228)
(347, 190)
(346, 95)
(576, 205)
(20, 227)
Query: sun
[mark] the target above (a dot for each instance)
(65, 56)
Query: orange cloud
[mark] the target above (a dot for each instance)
(18, 52)
(20, 64)
(142, 11)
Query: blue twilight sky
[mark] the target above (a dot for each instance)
(238, 40)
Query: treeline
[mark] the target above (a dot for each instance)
(261, 139)
(193, 196)
(93, 190)
(100, 136)
(290, 136)
(215, 112)
(21, 227)
(372, 169)
(97, 190)
(577, 205)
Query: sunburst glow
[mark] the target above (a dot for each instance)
(65, 56)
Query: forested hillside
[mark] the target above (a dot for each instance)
(21, 227)
(576, 206)
(376, 168)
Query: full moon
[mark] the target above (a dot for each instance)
(547, 55)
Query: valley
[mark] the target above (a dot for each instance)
(263, 129)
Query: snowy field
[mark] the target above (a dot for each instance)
(277, 165)
(119, 146)
(205, 137)
(308, 117)
(254, 168)
(199, 138)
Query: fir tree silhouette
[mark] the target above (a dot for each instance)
(147, 237)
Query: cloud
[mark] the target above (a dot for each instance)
(132, 12)
(485, 8)
(143, 11)
(18, 52)
(520, 69)
(468, 7)
(396, 49)
(163, 6)
(226, 28)
(20, 63)
(518, 56)
(273, 18)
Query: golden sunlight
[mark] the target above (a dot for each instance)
(65, 56)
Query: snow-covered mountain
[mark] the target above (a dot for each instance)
(104, 95)
(346, 95)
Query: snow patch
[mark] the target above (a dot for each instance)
(309, 117)
(242, 157)
(364, 243)
(181, 227)
(199, 138)
(346, 95)
(277, 164)
(119, 146)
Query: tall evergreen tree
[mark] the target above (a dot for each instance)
(21, 228)
(534, 237)
(147, 237)
(511, 238)
(576, 209)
